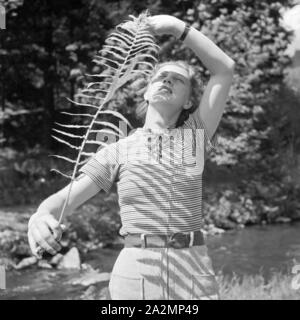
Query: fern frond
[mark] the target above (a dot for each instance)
(111, 125)
(108, 132)
(69, 134)
(126, 54)
(75, 126)
(61, 173)
(67, 159)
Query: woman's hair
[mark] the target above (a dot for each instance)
(141, 110)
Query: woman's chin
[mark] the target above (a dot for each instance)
(161, 98)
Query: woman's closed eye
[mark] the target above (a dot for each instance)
(179, 80)
(163, 75)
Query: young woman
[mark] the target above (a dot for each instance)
(158, 170)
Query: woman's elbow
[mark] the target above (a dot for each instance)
(231, 66)
(227, 69)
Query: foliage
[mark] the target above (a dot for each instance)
(96, 223)
(44, 44)
(251, 203)
(25, 177)
(48, 47)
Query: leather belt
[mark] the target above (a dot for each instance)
(175, 240)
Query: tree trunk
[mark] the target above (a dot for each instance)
(49, 74)
(3, 60)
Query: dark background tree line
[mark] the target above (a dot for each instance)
(48, 47)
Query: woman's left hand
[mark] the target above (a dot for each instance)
(165, 24)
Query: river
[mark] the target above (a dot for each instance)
(256, 249)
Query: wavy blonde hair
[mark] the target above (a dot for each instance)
(142, 108)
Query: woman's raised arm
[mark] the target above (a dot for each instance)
(220, 65)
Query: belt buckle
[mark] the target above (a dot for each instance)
(175, 242)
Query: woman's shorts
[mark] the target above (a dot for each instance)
(163, 274)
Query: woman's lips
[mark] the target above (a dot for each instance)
(165, 88)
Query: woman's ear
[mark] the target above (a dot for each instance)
(188, 105)
(146, 94)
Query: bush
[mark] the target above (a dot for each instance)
(25, 177)
(95, 223)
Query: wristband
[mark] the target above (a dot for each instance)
(185, 32)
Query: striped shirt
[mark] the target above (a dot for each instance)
(158, 175)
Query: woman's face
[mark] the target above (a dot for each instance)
(170, 85)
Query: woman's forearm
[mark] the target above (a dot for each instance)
(83, 188)
(51, 205)
(214, 59)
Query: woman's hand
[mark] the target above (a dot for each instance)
(44, 232)
(165, 24)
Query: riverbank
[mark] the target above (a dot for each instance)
(95, 225)
(278, 287)
(35, 284)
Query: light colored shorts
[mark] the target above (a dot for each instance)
(163, 274)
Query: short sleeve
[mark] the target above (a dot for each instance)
(194, 121)
(103, 167)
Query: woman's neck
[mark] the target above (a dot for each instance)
(158, 120)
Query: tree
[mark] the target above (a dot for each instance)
(42, 44)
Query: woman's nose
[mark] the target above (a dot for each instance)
(167, 80)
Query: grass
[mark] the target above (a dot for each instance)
(248, 287)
